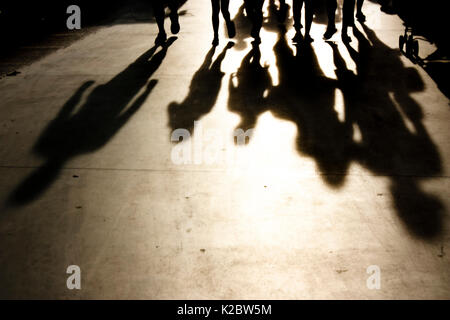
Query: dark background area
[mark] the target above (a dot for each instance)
(30, 30)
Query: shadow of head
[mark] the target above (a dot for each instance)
(420, 212)
(203, 92)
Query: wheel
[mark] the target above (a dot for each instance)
(409, 46)
(401, 42)
(415, 48)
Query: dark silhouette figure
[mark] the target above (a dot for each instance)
(306, 97)
(103, 114)
(277, 16)
(203, 92)
(283, 10)
(379, 105)
(253, 8)
(247, 87)
(359, 13)
(158, 8)
(309, 14)
(347, 21)
(217, 7)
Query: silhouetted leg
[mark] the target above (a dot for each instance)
(175, 24)
(258, 15)
(359, 14)
(248, 4)
(297, 10)
(309, 14)
(231, 29)
(158, 9)
(331, 11)
(348, 20)
(282, 11)
(297, 13)
(215, 20)
(254, 13)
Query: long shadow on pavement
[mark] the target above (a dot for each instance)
(106, 110)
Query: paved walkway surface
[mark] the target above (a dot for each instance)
(347, 166)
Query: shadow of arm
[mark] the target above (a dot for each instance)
(124, 117)
(74, 100)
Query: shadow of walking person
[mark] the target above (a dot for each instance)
(306, 97)
(247, 88)
(393, 140)
(243, 28)
(107, 108)
(203, 92)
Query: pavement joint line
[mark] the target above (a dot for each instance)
(218, 170)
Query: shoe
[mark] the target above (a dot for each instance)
(298, 27)
(230, 45)
(345, 38)
(175, 24)
(361, 17)
(256, 40)
(308, 38)
(297, 38)
(231, 29)
(329, 33)
(255, 35)
(161, 38)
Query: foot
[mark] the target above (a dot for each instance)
(161, 38)
(175, 24)
(297, 38)
(346, 38)
(329, 33)
(215, 41)
(361, 17)
(256, 40)
(255, 35)
(308, 38)
(229, 45)
(231, 28)
(298, 27)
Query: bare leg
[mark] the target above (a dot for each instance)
(297, 13)
(258, 20)
(359, 14)
(215, 4)
(254, 13)
(309, 14)
(226, 15)
(331, 10)
(282, 11)
(175, 25)
(158, 9)
(348, 20)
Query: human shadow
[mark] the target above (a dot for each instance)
(393, 140)
(247, 88)
(243, 28)
(381, 126)
(306, 97)
(203, 92)
(105, 111)
(277, 14)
